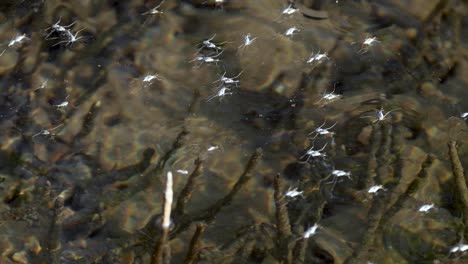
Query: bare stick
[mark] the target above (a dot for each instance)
(168, 195)
(161, 250)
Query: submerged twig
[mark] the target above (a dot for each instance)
(148, 176)
(300, 250)
(53, 248)
(159, 239)
(193, 103)
(88, 122)
(210, 213)
(459, 179)
(187, 191)
(175, 146)
(282, 218)
(195, 244)
(374, 219)
(311, 13)
(282, 222)
(372, 162)
(243, 179)
(379, 207)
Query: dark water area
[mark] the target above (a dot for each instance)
(292, 131)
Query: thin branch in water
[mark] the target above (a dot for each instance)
(210, 213)
(162, 252)
(195, 244)
(282, 217)
(460, 179)
(187, 191)
(282, 222)
(53, 248)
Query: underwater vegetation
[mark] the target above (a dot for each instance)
(203, 131)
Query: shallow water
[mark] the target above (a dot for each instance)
(355, 111)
